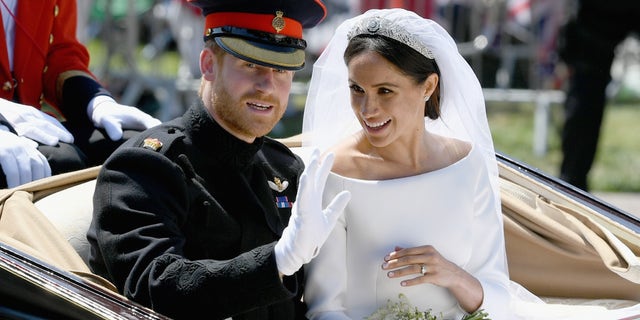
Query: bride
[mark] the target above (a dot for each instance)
(424, 218)
(416, 153)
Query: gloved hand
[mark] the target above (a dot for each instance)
(114, 117)
(34, 124)
(20, 159)
(310, 224)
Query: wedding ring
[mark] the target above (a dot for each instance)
(423, 269)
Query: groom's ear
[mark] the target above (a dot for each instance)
(208, 64)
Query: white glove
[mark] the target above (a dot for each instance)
(34, 124)
(20, 159)
(114, 117)
(309, 225)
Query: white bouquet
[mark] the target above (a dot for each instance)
(403, 310)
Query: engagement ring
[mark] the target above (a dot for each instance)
(423, 269)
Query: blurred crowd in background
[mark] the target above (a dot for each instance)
(511, 44)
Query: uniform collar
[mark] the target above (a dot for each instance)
(211, 139)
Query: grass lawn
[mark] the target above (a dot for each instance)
(617, 161)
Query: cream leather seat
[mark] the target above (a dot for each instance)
(71, 211)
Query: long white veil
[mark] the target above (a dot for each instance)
(328, 117)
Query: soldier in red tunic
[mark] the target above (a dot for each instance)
(43, 64)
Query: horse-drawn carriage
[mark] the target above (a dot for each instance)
(562, 244)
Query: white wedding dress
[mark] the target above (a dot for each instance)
(346, 281)
(451, 209)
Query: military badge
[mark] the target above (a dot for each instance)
(278, 22)
(152, 143)
(278, 185)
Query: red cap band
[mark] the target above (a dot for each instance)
(253, 21)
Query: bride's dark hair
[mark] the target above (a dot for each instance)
(406, 59)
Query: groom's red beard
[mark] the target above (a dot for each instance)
(238, 115)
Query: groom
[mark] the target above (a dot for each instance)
(191, 218)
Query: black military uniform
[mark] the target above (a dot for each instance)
(193, 198)
(186, 215)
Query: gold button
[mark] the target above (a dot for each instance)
(56, 10)
(7, 86)
(51, 38)
(45, 69)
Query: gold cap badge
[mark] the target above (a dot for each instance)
(278, 22)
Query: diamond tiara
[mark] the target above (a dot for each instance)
(381, 26)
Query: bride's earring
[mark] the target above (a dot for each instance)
(426, 98)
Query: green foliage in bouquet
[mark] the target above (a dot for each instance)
(403, 310)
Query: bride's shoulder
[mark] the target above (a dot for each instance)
(455, 149)
(346, 161)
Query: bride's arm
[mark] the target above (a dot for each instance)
(326, 277)
(488, 262)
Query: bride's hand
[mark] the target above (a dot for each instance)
(429, 266)
(426, 263)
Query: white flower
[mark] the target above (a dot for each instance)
(404, 310)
